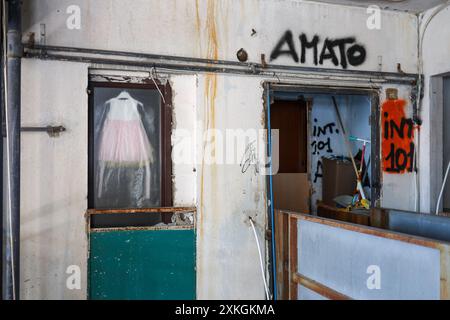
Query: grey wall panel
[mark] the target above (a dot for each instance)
(429, 226)
(339, 259)
(307, 294)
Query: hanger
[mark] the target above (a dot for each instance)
(124, 95)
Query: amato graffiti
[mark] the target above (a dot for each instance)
(341, 51)
(322, 144)
(398, 138)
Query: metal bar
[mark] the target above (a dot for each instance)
(2, 135)
(310, 89)
(52, 131)
(198, 64)
(33, 129)
(318, 288)
(14, 56)
(142, 210)
(272, 213)
(184, 227)
(274, 71)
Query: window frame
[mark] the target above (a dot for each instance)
(165, 134)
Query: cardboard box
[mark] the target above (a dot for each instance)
(339, 178)
(291, 191)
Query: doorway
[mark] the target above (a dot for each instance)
(323, 135)
(316, 149)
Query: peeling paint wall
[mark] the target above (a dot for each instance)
(227, 258)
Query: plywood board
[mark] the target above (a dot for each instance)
(340, 259)
(292, 192)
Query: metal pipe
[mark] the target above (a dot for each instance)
(272, 213)
(108, 57)
(2, 108)
(13, 83)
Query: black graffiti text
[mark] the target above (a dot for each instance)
(343, 51)
(322, 143)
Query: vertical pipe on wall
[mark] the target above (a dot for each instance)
(13, 83)
(272, 213)
(2, 108)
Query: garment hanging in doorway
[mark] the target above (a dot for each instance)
(125, 154)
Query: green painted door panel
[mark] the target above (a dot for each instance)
(142, 264)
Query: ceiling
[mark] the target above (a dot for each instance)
(402, 5)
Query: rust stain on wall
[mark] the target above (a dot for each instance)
(198, 27)
(211, 28)
(197, 17)
(210, 91)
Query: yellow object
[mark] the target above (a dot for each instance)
(365, 204)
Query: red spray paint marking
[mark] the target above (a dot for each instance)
(397, 138)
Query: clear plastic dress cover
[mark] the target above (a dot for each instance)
(126, 148)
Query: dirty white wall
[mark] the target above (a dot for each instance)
(218, 29)
(227, 264)
(184, 139)
(227, 256)
(436, 62)
(53, 180)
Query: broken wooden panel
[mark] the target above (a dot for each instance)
(142, 263)
(338, 260)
